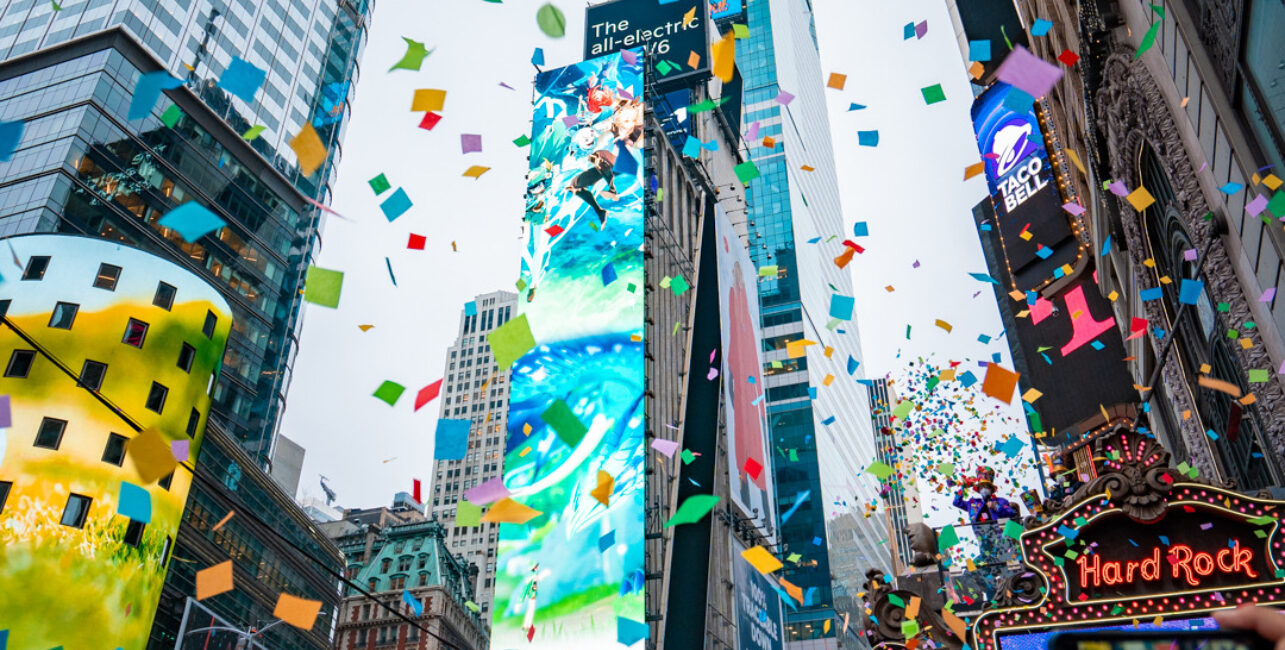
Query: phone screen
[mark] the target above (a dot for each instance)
(1186, 643)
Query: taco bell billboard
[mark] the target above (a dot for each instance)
(1035, 231)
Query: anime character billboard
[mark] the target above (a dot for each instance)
(749, 463)
(573, 575)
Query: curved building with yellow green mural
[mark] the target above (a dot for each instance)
(108, 355)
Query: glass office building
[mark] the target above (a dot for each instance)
(792, 214)
(83, 167)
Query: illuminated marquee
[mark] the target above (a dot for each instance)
(1140, 541)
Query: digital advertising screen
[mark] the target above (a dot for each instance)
(86, 531)
(758, 605)
(572, 577)
(748, 445)
(673, 33)
(1035, 232)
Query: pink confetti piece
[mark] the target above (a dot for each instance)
(1190, 255)
(1268, 295)
(666, 447)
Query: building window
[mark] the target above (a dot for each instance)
(403, 564)
(372, 585)
(165, 550)
(385, 565)
(134, 533)
(423, 579)
(193, 421)
(92, 374)
(77, 511)
(166, 480)
(114, 453)
(20, 363)
(4, 493)
(185, 357)
(135, 332)
(64, 315)
(210, 321)
(164, 297)
(36, 267)
(108, 275)
(398, 583)
(50, 434)
(156, 397)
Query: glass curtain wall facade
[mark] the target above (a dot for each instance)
(826, 428)
(303, 45)
(310, 54)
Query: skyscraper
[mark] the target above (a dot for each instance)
(474, 389)
(82, 166)
(900, 500)
(816, 408)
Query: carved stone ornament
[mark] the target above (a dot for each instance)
(1132, 110)
(1220, 25)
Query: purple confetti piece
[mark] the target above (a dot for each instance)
(1117, 188)
(1074, 208)
(1190, 255)
(629, 56)
(1268, 295)
(1256, 207)
(470, 142)
(713, 372)
(504, 85)
(783, 98)
(571, 120)
(1030, 73)
(753, 133)
(921, 29)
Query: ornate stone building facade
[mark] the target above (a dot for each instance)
(1190, 117)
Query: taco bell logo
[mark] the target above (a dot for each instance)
(1018, 171)
(1011, 143)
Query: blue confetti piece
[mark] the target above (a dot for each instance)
(537, 57)
(148, 91)
(828, 421)
(242, 79)
(1044, 252)
(1190, 291)
(395, 205)
(860, 229)
(415, 604)
(192, 221)
(135, 503)
(1097, 345)
(1106, 246)
(816, 541)
(608, 274)
(1164, 540)
(607, 541)
(1231, 188)
(10, 136)
(1041, 27)
(470, 308)
(1154, 293)
(868, 138)
(855, 107)
(979, 50)
(1067, 532)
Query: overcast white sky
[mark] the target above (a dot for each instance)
(908, 189)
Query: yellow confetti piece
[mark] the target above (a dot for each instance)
(1149, 263)
(944, 325)
(829, 379)
(1075, 159)
(476, 171)
(1140, 199)
(948, 374)
(796, 349)
(1031, 395)
(1026, 235)
(428, 99)
(1272, 182)
(1113, 296)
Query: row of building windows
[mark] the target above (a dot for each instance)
(76, 512)
(108, 277)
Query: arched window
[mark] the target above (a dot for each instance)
(1203, 337)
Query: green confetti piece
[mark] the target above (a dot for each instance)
(679, 286)
(693, 510)
(323, 286)
(880, 470)
(746, 172)
(688, 456)
(390, 392)
(551, 21)
(564, 422)
(467, 514)
(933, 94)
(1148, 40)
(768, 271)
(379, 184)
(522, 140)
(947, 538)
(414, 57)
(253, 132)
(510, 341)
(1013, 529)
(171, 115)
(1258, 376)
(740, 31)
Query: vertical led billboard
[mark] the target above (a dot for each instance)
(749, 460)
(1034, 230)
(572, 577)
(86, 531)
